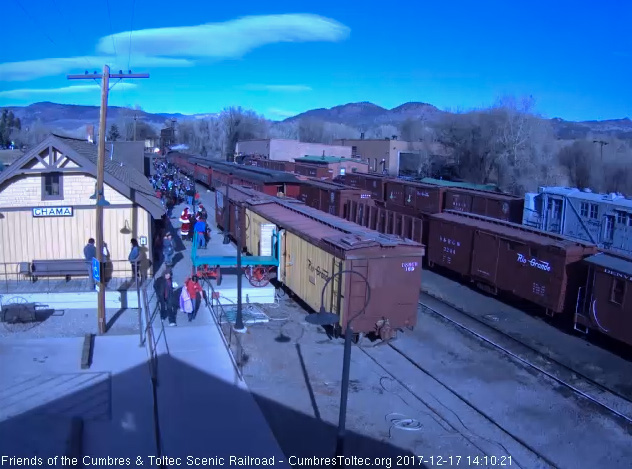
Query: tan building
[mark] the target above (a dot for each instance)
(288, 150)
(46, 212)
(382, 155)
(329, 166)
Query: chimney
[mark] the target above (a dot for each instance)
(90, 133)
(394, 137)
(361, 135)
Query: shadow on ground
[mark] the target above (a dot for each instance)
(198, 415)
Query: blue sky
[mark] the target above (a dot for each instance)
(281, 58)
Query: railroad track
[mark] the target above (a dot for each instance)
(605, 398)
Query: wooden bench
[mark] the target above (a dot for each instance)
(59, 268)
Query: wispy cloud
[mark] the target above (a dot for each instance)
(32, 69)
(31, 92)
(274, 113)
(278, 88)
(180, 46)
(230, 39)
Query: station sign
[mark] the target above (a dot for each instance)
(42, 212)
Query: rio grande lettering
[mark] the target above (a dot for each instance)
(534, 263)
(322, 273)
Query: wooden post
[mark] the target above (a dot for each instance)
(105, 84)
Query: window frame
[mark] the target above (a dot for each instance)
(616, 281)
(44, 195)
(583, 209)
(594, 207)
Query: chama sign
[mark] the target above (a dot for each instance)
(52, 212)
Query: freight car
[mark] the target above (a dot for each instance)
(604, 303)
(315, 246)
(382, 220)
(276, 165)
(313, 170)
(501, 257)
(489, 204)
(330, 197)
(371, 182)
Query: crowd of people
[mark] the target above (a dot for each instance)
(174, 188)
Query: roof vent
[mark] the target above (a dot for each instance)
(587, 190)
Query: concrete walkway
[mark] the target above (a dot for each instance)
(205, 410)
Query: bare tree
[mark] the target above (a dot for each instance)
(311, 130)
(239, 124)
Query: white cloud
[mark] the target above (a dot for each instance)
(230, 39)
(274, 113)
(278, 88)
(32, 69)
(28, 93)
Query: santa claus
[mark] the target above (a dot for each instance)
(185, 226)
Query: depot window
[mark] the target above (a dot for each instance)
(52, 186)
(618, 291)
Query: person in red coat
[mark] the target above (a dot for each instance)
(185, 226)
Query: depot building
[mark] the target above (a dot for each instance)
(47, 213)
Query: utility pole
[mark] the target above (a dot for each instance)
(101, 202)
(601, 143)
(135, 117)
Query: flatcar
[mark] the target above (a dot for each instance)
(501, 257)
(317, 246)
(391, 222)
(604, 303)
(330, 197)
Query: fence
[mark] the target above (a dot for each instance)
(20, 277)
(232, 340)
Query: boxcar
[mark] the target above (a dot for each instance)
(489, 204)
(604, 304)
(330, 197)
(287, 166)
(386, 221)
(315, 246)
(313, 170)
(544, 269)
(413, 198)
(264, 180)
(371, 182)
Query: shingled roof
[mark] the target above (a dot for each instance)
(124, 178)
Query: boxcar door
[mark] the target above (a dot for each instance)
(485, 257)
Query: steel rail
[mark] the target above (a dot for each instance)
(532, 365)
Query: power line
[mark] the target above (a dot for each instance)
(39, 26)
(131, 29)
(107, 2)
(72, 31)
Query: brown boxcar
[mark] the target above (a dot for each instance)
(204, 174)
(413, 198)
(372, 182)
(316, 245)
(313, 170)
(498, 256)
(604, 304)
(489, 204)
(287, 166)
(330, 197)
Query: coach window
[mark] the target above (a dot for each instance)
(618, 291)
(52, 186)
(594, 211)
(584, 209)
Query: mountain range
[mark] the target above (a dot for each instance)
(358, 115)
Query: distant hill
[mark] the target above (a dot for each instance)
(365, 114)
(73, 117)
(362, 115)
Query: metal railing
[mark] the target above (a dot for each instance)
(149, 336)
(231, 339)
(17, 277)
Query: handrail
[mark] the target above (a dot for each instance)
(232, 336)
